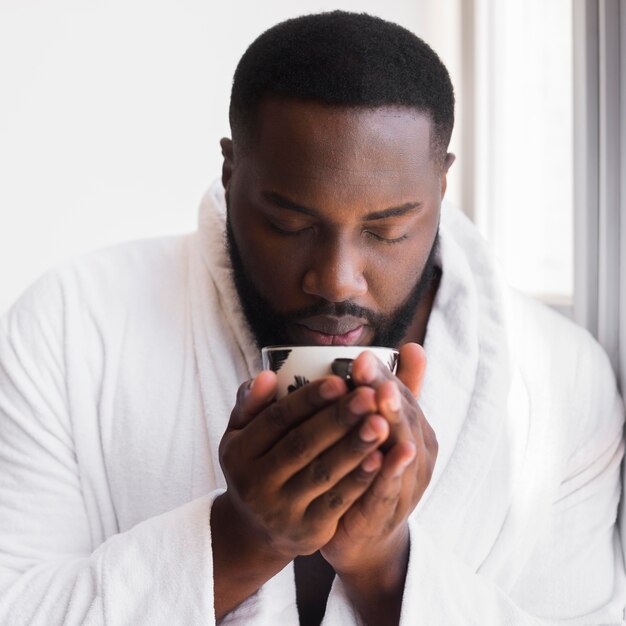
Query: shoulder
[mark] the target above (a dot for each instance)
(129, 269)
(103, 284)
(564, 368)
(571, 387)
(536, 330)
(540, 338)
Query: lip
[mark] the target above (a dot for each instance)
(327, 330)
(332, 325)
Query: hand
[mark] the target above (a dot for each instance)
(294, 466)
(372, 534)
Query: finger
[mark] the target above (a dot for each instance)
(395, 401)
(389, 401)
(279, 417)
(412, 367)
(401, 414)
(369, 370)
(252, 397)
(310, 480)
(398, 459)
(380, 502)
(306, 441)
(333, 503)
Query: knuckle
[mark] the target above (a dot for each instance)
(334, 499)
(299, 534)
(296, 443)
(320, 473)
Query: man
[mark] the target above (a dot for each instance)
(481, 488)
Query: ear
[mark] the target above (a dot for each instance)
(228, 164)
(449, 160)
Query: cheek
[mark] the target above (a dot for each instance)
(391, 275)
(274, 268)
(395, 269)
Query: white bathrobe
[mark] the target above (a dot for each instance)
(117, 376)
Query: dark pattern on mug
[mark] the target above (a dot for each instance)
(299, 381)
(393, 361)
(277, 358)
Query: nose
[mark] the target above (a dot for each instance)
(335, 272)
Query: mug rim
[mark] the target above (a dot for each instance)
(292, 346)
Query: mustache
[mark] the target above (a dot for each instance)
(336, 309)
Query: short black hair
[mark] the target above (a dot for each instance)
(343, 59)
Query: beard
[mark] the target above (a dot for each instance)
(270, 327)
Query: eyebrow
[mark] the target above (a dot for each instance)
(285, 203)
(394, 211)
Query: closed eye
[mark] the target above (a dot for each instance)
(289, 231)
(382, 239)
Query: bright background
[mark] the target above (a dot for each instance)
(111, 114)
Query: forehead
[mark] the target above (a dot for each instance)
(305, 145)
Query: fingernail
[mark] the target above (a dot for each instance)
(367, 433)
(368, 372)
(330, 389)
(370, 463)
(393, 402)
(359, 404)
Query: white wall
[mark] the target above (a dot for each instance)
(111, 113)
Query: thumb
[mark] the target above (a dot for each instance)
(252, 397)
(411, 367)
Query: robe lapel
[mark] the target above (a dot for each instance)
(465, 394)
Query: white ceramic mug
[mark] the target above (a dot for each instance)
(297, 365)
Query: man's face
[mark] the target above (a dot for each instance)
(332, 222)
